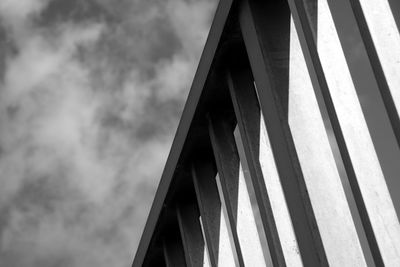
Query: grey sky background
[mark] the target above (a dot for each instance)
(91, 92)
(90, 96)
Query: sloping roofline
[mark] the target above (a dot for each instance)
(188, 113)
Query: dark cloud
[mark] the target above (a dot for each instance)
(59, 11)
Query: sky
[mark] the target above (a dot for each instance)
(91, 92)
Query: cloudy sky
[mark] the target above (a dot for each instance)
(91, 92)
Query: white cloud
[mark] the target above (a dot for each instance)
(174, 75)
(191, 20)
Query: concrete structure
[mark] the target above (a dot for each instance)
(251, 179)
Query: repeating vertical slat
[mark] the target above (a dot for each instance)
(262, 165)
(327, 63)
(382, 41)
(191, 233)
(247, 109)
(227, 161)
(249, 123)
(251, 204)
(214, 221)
(206, 257)
(362, 153)
(278, 202)
(324, 186)
(285, 148)
(234, 193)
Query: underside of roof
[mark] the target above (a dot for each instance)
(267, 69)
